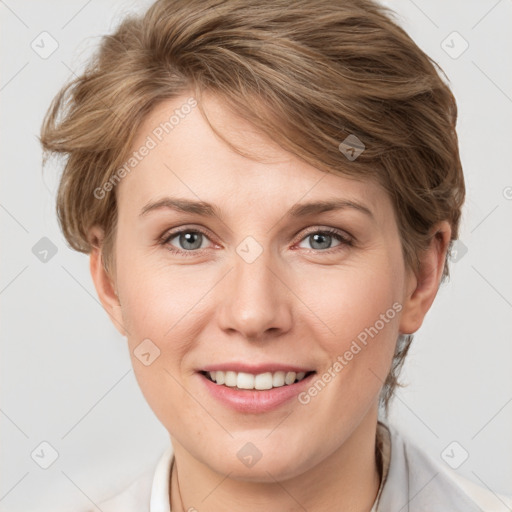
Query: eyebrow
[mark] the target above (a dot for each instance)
(181, 205)
(208, 210)
(302, 210)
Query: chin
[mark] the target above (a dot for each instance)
(261, 462)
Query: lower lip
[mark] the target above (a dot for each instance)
(252, 401)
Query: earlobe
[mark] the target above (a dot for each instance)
(104, 283)
(422, 285)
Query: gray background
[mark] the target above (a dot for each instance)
(66, 377)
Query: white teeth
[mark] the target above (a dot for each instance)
(230, 379)
(245, 381)
(262, 381)
(290, 378)
(278, 379)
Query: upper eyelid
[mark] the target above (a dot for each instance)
(171, 234)
(329, 230)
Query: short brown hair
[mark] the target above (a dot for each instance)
(308, 73)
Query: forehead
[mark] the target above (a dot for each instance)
(176, 152)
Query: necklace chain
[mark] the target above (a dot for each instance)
(174, 471)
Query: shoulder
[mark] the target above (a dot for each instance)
(135, 497)
(148, 493)
(419, 483)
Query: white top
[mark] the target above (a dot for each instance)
(411, 482)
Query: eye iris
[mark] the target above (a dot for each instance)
(190, 238)
(322, 239)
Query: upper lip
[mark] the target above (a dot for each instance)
(255, 369)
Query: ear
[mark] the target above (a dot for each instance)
(103, 282)
(423, 284)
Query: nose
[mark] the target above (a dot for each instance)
(255, 299)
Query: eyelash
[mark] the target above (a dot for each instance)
(343, 239)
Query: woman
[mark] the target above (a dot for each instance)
(268, 192)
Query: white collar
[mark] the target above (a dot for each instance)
(160, 488)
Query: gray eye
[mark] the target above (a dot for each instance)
(321, 241)
(189, 240)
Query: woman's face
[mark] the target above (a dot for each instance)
(238, 267)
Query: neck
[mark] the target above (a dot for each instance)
(348, 479)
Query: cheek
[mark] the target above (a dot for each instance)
(158, 299)
(161, 310)
(348, 301)
(361, 306)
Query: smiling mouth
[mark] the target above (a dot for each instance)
(259, 382)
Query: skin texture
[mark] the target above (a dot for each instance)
(295, 304)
